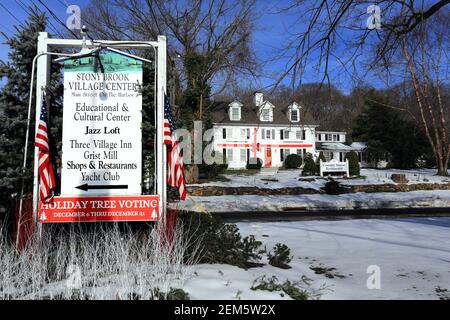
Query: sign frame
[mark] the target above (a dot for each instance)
(45, 44)
(334, 166)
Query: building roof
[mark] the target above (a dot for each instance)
(334, 146)
(249, 115)
(359, 145)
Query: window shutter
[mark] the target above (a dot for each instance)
(273, 134)
(263, 133)
(281, 155)
(281, 135)
(303, 134)
(224, 133)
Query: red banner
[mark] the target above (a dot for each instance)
(105, 208)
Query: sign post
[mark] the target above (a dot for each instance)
(101, 172)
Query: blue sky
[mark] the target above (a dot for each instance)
(269, 37)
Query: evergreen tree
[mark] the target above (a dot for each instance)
(309, 169)
(386, 131)
(14, 97)
(353, 163)
(320, 157)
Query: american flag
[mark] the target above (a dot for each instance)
(46, 177)
(175, 167)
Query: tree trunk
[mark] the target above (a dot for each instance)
(191, 174)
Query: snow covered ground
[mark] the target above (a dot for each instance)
(413, 256)
(290, 179)
(359, 200)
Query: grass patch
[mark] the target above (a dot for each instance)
(272, 284)
(442, 293)
(327, 272)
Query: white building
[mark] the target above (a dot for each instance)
(263, 130)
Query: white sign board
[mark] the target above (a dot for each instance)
(102, 117)
(334, 166)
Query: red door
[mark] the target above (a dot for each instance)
(268, 158)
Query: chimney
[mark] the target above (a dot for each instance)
(258, 99)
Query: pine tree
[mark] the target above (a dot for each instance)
(14, 97)
(386, 131)
(353, 163)
(319, 158)
(309, 169)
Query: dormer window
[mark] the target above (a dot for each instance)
(266, 112)
(265, 115)
(295, 115)
(235, 111)
(294, 112)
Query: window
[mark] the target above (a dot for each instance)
(287, 152)
(224, 133)
(298, 134)
(265, 114)
(243, 155)
(243, 133)
(299, 152)
(229, 133)
(229, 155)
(263, 134)
(328, 136)
(294, 115)
(273, 133)
(235, 113)
(335, 137)
(320, 137)
(304, 153)
(267, 134)
(286, 134)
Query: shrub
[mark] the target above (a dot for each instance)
(254, 163)
(293, 161)
(333, 187)
(320, 157)
(309, 169)
(292, 289)
(353, 163)
(208, 171)
(213, 170)
(280, 257)
(114, 261)
(220, 242)
(173, 294)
